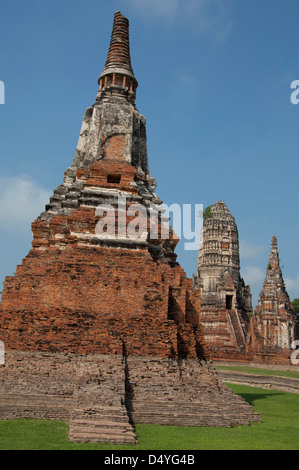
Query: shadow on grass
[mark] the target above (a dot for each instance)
(252, 397)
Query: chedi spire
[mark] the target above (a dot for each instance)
(274, 297)
(274, 265)
(118, 74)
(274, 316)
(119, 51)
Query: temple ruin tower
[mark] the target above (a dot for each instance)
(113, 132)
(275, 319)
(226, 301)
(100, 323)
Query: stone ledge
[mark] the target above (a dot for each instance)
(93, 390)
(285, 384)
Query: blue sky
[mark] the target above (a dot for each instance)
(214, 85)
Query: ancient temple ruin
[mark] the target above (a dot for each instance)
(234, 330)
(102, 327)
(274, 320)
(225, 300)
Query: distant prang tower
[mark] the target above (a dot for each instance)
(275, 318)
(226, 301)
(101, 328)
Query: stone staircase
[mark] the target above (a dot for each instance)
(101, 424)
(237, 328)
(99, 413)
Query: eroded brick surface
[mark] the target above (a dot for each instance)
(104, 395)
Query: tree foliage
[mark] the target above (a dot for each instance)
(207, 213)
(295, 304)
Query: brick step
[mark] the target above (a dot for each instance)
(118, 415)
(236, 325)
(7, 395)
(90, 428)
(99, 422)
(193, 407)
(97, 406)
(34, 406)
(102, 437)
(206, 420)
(10, 412)
(193, 414)
(93, 404)
(33, 402)
(100, 429)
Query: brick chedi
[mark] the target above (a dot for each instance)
(226, 301)
(274, 321)
(100, 323)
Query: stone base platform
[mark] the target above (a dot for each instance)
(104, 396)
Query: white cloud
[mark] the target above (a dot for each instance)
(292, 284)
(210, 17)
(250, 250)
(253, 275)
(21, 202)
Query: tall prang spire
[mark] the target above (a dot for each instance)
(119, 50)
(275, 318)
(274, 265)
(225, 299)
(274, 296)
(117, 75)
(274, 278)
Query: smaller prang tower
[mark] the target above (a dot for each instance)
(275, 319)
(226, 301)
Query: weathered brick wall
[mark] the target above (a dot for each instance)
(92, 300)
(253, 357)
(36, 386)
(182, 393)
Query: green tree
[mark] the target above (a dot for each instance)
(207, 213)
(295, 304)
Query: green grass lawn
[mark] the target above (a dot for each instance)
(279, 430)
